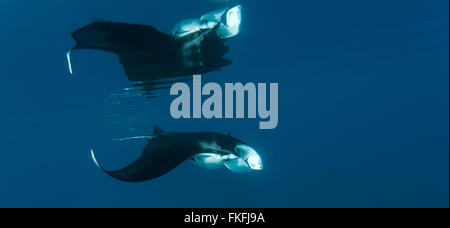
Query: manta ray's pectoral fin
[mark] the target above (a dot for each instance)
(133, 173)
(115, 174)
(95, 161)
(161, 154)
(69, 61)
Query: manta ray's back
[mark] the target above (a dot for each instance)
(144, 52)
(121, 37)
(148, 54)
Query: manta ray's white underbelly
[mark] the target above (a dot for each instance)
(215, 161)
(208, 161)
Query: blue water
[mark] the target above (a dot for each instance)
(363, 97)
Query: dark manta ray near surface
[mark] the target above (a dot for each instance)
(195, 46)
(147, 54)
(165, 151)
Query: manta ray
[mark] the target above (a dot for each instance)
(195, 46)
(165, 151)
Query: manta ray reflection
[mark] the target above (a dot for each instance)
(148, 56)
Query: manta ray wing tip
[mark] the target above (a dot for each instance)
(69, 61)
(95, 159)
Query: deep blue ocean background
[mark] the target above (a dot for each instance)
(363, 106)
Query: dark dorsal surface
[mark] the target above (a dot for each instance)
(166, 151)
(161, 154)
(120, 38)
(148, 54)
